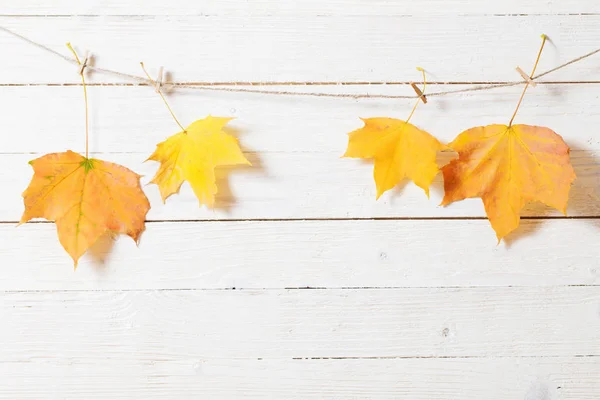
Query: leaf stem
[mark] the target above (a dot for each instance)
(163, 98)
(419, 99)
(87, 123)
(537, 60)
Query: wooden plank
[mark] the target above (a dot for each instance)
(134, 120)
(261, 254)
(401, 310)
(134, 376)
(295, 148)
(305, 185)
(284, 324)
(294, 7)
(304, 48)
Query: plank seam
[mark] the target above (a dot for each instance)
(276, 289)
(442, 357)
(276, 15)
(481, 218)
(290, 83)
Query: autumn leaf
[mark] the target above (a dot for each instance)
(86, 197)
(508, 167)
(399, 150)
(192, 155)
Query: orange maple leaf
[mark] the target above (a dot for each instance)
(509, 166)
(86, 197)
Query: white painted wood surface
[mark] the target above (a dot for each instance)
(299, 284)
(412, 378)
(306, 47)
(324, 254)
(294, 8)
(288, 324)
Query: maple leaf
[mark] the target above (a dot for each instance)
(507, 167)
(86, 198)
(399, 149)
(192, 155)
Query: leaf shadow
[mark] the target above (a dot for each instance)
(100, 251)
(396, 192)
(436, 190)
(443, 158)
(225, 198)
(370, 164)
(584, 198)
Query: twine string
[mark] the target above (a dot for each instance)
(528, 79)
(141, 81)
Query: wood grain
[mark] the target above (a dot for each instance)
(284, 324)
(189, 377)
(307, 186)
(325, 254)
(134, 120)
(294, 144)
(133, 8)
(307, 288)
(305, 48)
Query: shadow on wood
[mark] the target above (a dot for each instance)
(100, 251)
(578, 192)
(225, 198)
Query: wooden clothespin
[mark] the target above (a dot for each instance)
(84, 64)
(419, 92)
(526, 77)
(159, 83)
(159, 80)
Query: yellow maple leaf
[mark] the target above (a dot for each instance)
(509, 166)
(192, 155)
(86, 198)
(399, 150)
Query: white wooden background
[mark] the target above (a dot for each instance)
(300, 285)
